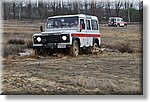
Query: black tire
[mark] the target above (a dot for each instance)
(95, 44)
(36, 52)
(74, 49)
(118, 25)
(92, 49)
(39, 51)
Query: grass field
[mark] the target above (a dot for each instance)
(102, 73)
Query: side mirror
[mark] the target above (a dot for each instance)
(41, 28)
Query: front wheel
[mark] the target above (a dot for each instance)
(74, 49)
(118, 25)
(41, 52)
(38, 51)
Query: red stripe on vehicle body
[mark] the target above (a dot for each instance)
(85, 35)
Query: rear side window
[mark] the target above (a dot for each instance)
(88, 25)
(118, 19)
(94, 25)
(82, 23)
(112, 20)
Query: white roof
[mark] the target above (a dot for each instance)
(114, 17)
(79, 15)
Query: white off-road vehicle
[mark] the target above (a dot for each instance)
(73, 32)
(116, 21)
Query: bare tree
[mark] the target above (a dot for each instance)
(20, 11)
(86, 7)
(29, 9)
(107, 8)
(118, 6)
(5, 9)
(141, 10)
(41, 9)
(14, 10)
(93, 7)
(53, 7)
(76, 8)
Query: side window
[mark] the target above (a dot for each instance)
(88, 25)
(94, 25)
(118, 19)
(82, 24)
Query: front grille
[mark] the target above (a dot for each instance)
(50, 39)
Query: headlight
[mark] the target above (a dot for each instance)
(38, 39)
(64, 38)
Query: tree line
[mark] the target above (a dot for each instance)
(131, 11)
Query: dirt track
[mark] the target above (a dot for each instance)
(103, 73)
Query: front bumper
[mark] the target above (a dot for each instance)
(51, 41)
(51, 45)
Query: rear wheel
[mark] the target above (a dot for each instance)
(95, 44)
(95, 48)
(74, 49)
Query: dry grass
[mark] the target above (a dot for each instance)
(14, 50)
(29, 44)
(129, 38)
(106, 73)
(125, 47)
(98, 74)
(16, 41)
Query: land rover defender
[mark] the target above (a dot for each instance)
(116, 21)
(73, 32)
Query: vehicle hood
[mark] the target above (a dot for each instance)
(59, 32)
(55, 32)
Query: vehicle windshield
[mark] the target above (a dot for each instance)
(62, 22)
(122, 20)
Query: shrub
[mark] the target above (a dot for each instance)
(29, 44)
(16, 41)
(125, 47)
(12, 50)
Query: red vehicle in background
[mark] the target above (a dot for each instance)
(117, 21)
